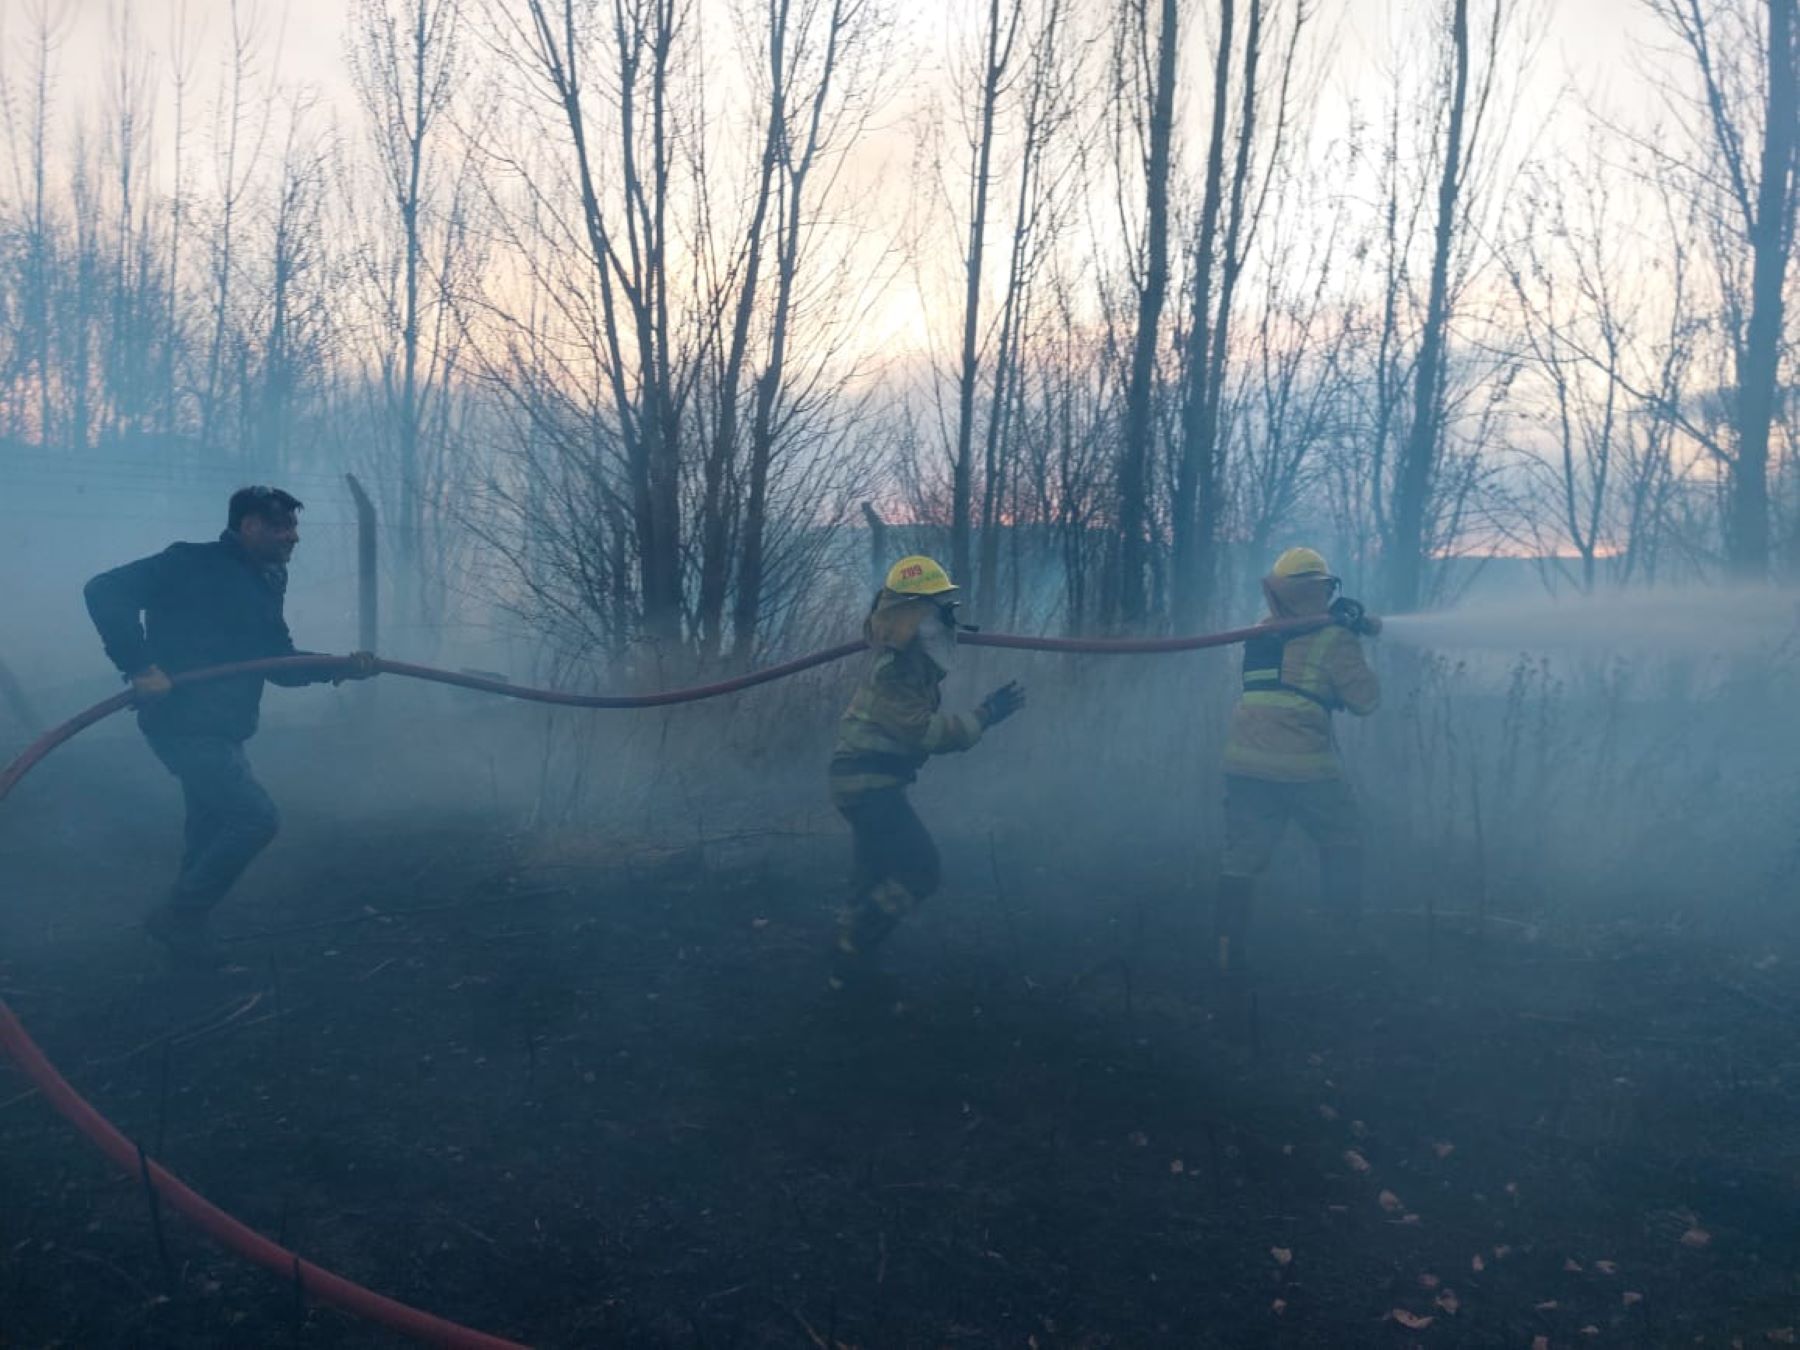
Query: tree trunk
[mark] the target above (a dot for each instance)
(796, 167)
(1419, 456)
(962, 480)
(1759, 359)
(1039, 117)
(1195, 471)
(1129, 607)
(412, 515)
(716, 512)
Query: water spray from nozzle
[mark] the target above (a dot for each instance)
(1688, 620)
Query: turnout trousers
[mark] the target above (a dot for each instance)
(894, 866)
(230, 818)
(1257, 814)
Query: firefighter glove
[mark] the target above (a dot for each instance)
(1001, 704)
(1355, 616)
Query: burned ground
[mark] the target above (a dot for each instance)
(583, 1090)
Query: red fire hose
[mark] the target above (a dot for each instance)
(217, 1224)
(245, 1241)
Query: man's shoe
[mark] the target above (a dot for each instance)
(183, 935)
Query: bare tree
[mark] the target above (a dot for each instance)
(1042, 178)
(1291, 407)
(1455, 132)
(690, 354)
(1144, 60)
(242, 114)
(731, 349)
(1000, 35)
(132, 339)
(618, 295)
(1071, 390)
(79, 324)
(1216, 264)
(290, 329)
(1607, 332)
(820, 33)
(182, 55)
(406, 58)
(632, 257)
(28, 135)
(1420, 453)
(1741, 122)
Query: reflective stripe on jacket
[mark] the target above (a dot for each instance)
(894, 723)
(1284, 733)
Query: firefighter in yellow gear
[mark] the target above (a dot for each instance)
(893, 725)
(1281, 763)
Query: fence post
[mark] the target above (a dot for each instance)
(368, 593)
(878, 559)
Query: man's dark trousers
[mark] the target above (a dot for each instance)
(230, 818)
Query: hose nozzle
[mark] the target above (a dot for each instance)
(1355, 616)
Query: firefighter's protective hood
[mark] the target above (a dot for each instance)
(897, 619)
(1299, 597)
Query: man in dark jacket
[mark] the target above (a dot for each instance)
(188, 607)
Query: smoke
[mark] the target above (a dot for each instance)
(1735, 621)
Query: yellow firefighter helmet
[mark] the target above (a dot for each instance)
(918, 575)
(1302, 562)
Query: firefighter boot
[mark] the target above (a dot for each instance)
(862, 927)
(1231, 922)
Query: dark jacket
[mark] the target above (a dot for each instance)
(195, 605)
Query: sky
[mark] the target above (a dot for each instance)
(1584, 49)
(1593, 44)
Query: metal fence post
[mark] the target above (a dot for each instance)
(368, 591)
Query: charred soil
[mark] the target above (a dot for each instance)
(582, 1094)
